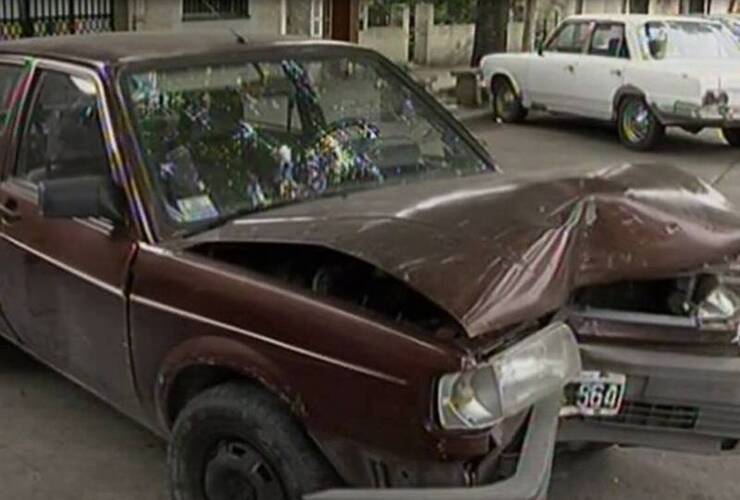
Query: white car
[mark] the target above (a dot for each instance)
(732, 21)
(642, 72)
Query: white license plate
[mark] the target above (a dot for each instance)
(595, 394)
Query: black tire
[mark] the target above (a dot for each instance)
(506, 102)
(238, 436)
(732, 136)
(639, 128)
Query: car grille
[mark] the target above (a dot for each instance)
(707, 419)
(640, 414)
(719, 421)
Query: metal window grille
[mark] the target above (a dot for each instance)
(26, 18)
(214, 9)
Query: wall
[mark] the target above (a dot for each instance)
(514, 36)
(266, 17)
(392, 41)
(299, 17)
(602, 6)
(438, 44)
(720, 6)
(451, 45)
(668, 7)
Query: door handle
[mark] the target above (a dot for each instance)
(570, 68)
(9, 211)
(616, 72)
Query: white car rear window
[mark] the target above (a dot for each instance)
(688, 40)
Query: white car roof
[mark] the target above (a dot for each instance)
(636, 18)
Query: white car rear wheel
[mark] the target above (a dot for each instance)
(639, 128)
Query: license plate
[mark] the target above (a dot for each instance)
(595, 394)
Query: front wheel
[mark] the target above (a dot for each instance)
(238, 441)
(732, 136)
(507, 104)
(639, 128)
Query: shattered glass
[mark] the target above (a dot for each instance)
(223, 140)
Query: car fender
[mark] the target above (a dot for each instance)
(510, 76)
(624, 91)
(663, 88)
(225, 353)
(493, 66)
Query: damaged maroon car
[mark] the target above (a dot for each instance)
(290, 261)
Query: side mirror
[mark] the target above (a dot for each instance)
(85, 196)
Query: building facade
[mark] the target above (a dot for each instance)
(337, 19)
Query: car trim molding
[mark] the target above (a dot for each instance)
(138, 299)
(164, 252)
(61, 265)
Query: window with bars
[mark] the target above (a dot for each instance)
(195, 10)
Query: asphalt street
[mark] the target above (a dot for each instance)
(58, 442)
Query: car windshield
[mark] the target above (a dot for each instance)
(227, 139)
(688, 40)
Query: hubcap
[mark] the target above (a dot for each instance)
(505, 100)
(236, 471)
(636, 121)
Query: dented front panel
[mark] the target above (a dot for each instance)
(341, 373)
(494, 251)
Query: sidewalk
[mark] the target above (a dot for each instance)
(437, 79)
(441, 82)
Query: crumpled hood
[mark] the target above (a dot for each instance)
(494, 251)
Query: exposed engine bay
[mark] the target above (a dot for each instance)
(329, 274)
(705, 297)
(706, 302)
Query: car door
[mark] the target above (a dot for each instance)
(607, 59)
(13, 75)
(553, 75)
(63, 281)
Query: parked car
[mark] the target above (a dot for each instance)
(290, 261)
(644, 73)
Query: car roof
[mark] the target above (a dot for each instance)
(636, 18)
(126, 47)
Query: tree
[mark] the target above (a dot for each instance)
(530, 9)
(491, 25)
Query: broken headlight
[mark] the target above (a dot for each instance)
(510, 381)
(720, 303)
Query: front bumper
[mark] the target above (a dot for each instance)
(673, 401)
(529, 482)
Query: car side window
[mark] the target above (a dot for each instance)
(62, 136)
(10, 76)
(570, 38)
(608, 40)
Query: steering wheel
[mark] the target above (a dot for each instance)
(362, 124)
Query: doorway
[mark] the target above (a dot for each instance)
(343, 20)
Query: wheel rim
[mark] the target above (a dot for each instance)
(505, 100)
(237, 471)
(636, 121)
